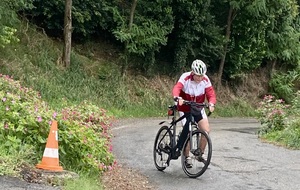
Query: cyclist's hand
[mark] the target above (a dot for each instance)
(180, 102)
(211, 107)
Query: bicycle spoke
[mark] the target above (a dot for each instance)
(162, 151)
(198, 157)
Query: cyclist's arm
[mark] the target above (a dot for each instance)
(211, 95)
(176, 93)
(211, 98)
(177, 89)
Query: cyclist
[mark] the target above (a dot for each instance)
(194, 86)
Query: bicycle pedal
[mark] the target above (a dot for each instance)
(176, 155)
(196, 152)
(165, 149)
(201, 159)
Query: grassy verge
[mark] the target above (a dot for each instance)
(84, 183)
(289, 137)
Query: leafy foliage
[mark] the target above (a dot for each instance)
(283, 84)
(247, 43)
(289, 137)
(296, 104)
(195, 34)
(261, 31)
(272, 114)
(84, 139)
(179, 31)
(7, 30)
(280, 122)
(88, 17)
(283, 30)
(7, 36)
(147, 33)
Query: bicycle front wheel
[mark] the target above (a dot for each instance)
(196, 160)
(162, 148)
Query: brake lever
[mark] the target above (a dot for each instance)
(209, 113)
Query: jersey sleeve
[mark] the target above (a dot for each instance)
(180, 84)
(177, 89)
(210, 93)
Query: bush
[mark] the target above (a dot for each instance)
(272, 114)
(296, 104)
(289, 137)
(84, 139)
(279, 124)
(283, 84)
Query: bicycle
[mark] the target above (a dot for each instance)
(166, 141)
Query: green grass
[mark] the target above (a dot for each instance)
(34, 62)
(83, 183)
(12, 160)
(237, 108)
(289, 137)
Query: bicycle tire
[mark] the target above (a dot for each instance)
(161, 156)
(199, 164)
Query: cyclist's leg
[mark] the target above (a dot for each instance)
(183, 121)
(203, 125)
(183, 134)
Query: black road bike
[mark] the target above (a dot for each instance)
(167, 137)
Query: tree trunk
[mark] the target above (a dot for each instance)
(67, 33)
(134, 2)
(227, 37)
(126, 53)
(272, 67)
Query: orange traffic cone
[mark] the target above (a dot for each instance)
(50, 160)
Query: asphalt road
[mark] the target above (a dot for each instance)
(240, 161)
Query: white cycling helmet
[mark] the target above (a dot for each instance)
(198, 67)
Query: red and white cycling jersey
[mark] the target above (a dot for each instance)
(188, 89)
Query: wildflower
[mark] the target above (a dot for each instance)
(7, 108)
(39, 119)
(101, 166)
(54, 115)
(84, 141)
(3, 99)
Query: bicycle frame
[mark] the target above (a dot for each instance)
(166, 142)
(175, 121)
(173, 126)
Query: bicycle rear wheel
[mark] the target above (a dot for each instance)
(162, 148)
(199, 158)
